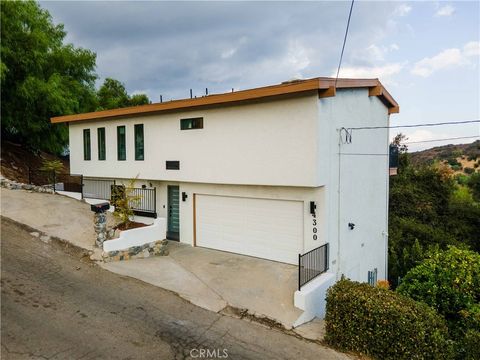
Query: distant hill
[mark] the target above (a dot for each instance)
(461, 158)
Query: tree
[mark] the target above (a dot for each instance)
(125, 199)
(399, 141)
(139, 99)
(112, 95)
(41, 77)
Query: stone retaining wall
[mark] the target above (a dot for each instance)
(137, 252)
(14, 185)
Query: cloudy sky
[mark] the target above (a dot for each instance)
(427, 54)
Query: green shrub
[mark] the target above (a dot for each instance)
(383, 324)
(448, 281)
(470, 346)
(466, 334)
(468, 170)
(453, 161)
(461, 179)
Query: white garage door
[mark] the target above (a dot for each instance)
(269, 229)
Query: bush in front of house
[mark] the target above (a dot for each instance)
(383, 324)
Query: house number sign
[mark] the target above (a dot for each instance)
(314, 226)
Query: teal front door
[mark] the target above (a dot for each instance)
(173, 228)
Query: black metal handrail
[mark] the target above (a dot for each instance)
(147, 203)
(312, 264)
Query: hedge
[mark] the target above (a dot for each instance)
(383, 324)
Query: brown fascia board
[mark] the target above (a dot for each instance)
(324, 86)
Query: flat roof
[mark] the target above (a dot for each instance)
(324, 86)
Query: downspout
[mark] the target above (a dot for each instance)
(338, 203)
(387, 200)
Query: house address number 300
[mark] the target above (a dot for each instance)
(314, 226)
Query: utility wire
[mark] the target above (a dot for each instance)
(344, 42)
(446, 139)
(415, 125)
(411, 142)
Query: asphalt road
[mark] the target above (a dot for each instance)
(57, 305)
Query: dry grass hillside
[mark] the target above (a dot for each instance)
(462, 158)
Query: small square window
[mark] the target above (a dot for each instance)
(172, 165)
(192, 123)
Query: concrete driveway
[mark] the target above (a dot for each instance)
(215, 279)
(211, 279)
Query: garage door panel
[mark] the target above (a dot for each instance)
(271, 229)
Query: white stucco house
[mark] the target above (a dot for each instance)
(271, 172)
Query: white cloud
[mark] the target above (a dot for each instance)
(376, 53)
(402, 9)
(472, 48)
(394, 47)
(446, 59)
(446, 10)
(228, 53)
(384, 73)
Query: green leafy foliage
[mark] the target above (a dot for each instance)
(383, 324)
(429, 210)
(124, 199)
(449, 282)
(41, 77)
(139, 99)
(474, 184)
(52, 165)
(112, 95)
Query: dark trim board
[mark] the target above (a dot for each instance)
(145, 213)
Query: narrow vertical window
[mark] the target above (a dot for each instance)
(101, 143)
(121, 143)
(87, 154)
(139, 151)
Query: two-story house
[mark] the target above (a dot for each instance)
(271, 172)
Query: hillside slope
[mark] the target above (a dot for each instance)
(16, 160)
(462, 158)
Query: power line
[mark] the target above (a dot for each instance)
(411, 142)
(344, 42)
(446, 139)
(415, 125)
